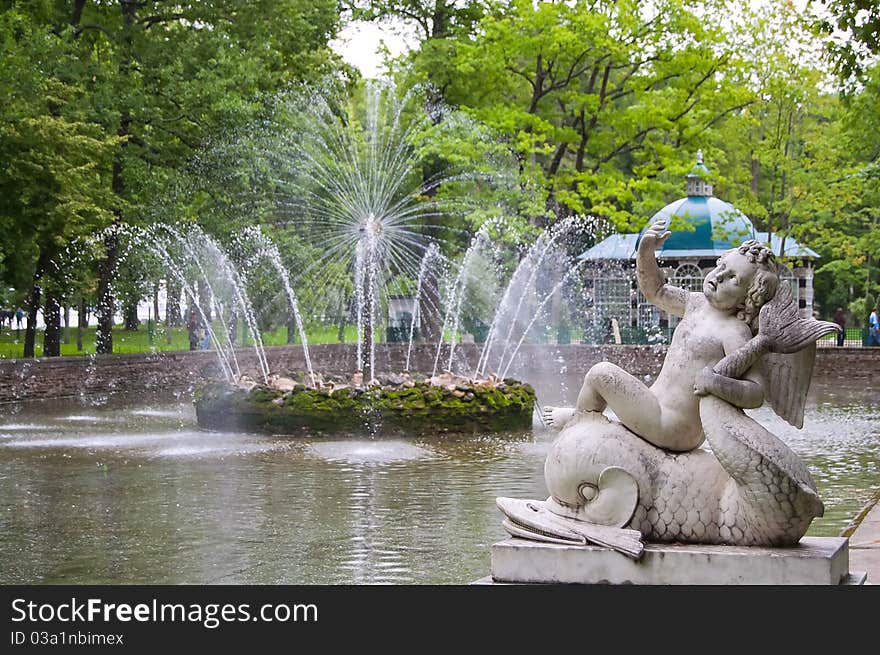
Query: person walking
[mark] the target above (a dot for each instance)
(840, 319)
(192, 328)
(19, 317)
(874, 328)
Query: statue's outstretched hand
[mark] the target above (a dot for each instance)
(655, 235)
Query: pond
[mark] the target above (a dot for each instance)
(127, 489)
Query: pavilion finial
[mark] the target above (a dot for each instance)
(697, 180)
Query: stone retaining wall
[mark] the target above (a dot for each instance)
(48, 378)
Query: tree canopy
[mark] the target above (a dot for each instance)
(124, 113)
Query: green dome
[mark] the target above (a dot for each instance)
(717, 225)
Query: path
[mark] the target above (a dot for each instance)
(864, 541)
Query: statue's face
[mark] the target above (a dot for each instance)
(727, 285)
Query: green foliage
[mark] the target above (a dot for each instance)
(433, 19)
(106, 101)
(594, 99)
(531, 111)
(861, 308)
(54, 183)
(852, 34)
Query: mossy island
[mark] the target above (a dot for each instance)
(405, 403)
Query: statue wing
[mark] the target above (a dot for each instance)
(779, 321)
(789, 364)
(788, 380)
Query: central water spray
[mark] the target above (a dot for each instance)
(367, 262)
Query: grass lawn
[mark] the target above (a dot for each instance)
(12, 341)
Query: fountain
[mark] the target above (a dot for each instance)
(353, 182)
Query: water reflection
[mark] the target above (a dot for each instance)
(140, 495)
(375, 451)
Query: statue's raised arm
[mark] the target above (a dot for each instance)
(652, 282)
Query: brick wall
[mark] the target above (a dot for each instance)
(71, 376)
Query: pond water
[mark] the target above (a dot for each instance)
(127, 489)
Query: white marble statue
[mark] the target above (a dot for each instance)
(740, 343)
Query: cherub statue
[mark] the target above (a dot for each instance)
(715, 323)
(740, 342)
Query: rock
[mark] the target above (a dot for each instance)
(246, 383)
(283, 384)
(392, 380)
(444, 379)
(412, 408)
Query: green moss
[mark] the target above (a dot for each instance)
(421, 408)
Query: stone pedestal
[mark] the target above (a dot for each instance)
(814, 561)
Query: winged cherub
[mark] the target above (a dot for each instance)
(715, 323)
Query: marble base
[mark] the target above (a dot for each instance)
(814, 561)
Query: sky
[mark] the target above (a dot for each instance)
(359, 43)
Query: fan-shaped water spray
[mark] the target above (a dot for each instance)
(352, 180)
(522, 305)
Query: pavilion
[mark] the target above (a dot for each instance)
(712, 227)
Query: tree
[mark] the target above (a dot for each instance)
(163, 77)
(596, 98)
(53, 187)
(433, 19)
(798, 160)
(847, 230)
(770, 153)
(851, 31)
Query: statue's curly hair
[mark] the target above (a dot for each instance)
(764, 284)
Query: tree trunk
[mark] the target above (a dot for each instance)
(756, 176)
(33, 306)
(106, 301)
(107, 266)
(82, 322)
(232, 329)
(156, 304)
(205, 300)
(173, 317)
(66, 324)
(130, 317)
(172, 308)
(52, 317)
(77, 12)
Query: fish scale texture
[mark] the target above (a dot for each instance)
(749, 490)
